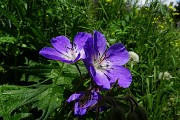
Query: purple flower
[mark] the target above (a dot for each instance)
(84, 101)
(105, 66)
(65, 51)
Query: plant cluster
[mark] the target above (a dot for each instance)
(104, 66)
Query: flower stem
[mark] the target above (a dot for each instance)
(131, 104)
(78, 71)
(97, 112)
(133, 100)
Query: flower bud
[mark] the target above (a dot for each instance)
(165, 75)
(141, 112)
(116, 113)
(132, 116)
(133, 56)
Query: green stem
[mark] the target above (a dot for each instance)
(133, 100)
(98, 110)
(131, 104)
(78, 71)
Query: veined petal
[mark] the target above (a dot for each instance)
(100, 78)
(80, 39)
(99, 44)
(79, 42)
(50, 53)
(53, 54)
(94, 97)
(121, 74)
(89, 51)
(79, 111)
(61, 44)
(74, 96)
(117, 54)
(90, 103)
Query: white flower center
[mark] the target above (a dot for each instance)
(101, 64)
(71, 54)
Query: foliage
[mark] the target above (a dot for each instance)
(32, 84)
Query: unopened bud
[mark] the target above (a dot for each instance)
(141, 112)
(116, 113)
(165, 75)
(132, 116)
(133, 56)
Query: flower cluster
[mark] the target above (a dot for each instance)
(105, 66)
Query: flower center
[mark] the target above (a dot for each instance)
(73, 53)
(101, 63)
(70, 54)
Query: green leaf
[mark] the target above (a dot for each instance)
(7, 39)
(20, 8)
(20, 116)
(46, 98)
(35, 30)
(35, 69)
(11, 97)
(10, 17)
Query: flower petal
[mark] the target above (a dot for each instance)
(94, 97)
(117, 54)
(53, 54)
(99, 44)
(100, 78)
(50, 53)
(61, 43)
(80, 39)
(89, 51)
(79, 42)
(79, 111)
(90, 103)
(75, 96)
(121, 74)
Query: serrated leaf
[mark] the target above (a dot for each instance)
(11, 97)
(47, 98)
(20, 116)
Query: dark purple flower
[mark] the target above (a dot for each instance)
(84, 101)
(105, 66)
(65, 51)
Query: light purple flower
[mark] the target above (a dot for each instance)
(65, 51)
(105, 66)
(84, 101)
